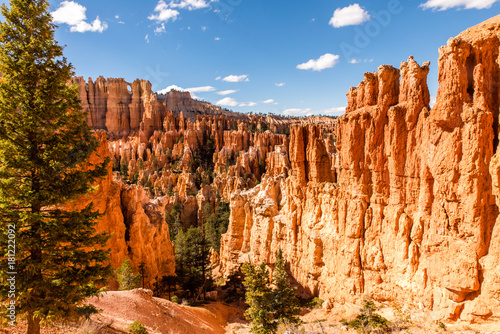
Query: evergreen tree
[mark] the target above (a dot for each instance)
(367, 321)
(124, 170)
(45, 145)
(142, 272)
(126, 277)
(215, 224)
(286, 305)
(268, 306)
(174, 221)
(259, 298)
(191, 257)
(169, 282)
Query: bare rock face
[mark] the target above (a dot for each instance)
(404, 207)
(122, 108)
(137, 226)
(308, 155)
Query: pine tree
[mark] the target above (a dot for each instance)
(191, 259)
(268, 306)
(285, 302)
(215, 224)
(126, 277)
(142, 272)
(259, 298)
(45, 145)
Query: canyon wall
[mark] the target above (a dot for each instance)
(123, 108)
(404, 206)
(136, 224)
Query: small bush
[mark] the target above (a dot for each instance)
(137, 328)
(126, 277)
(367, 321)
(175, 299)
(402, 318)
(316, 302)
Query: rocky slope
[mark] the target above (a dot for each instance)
(403, 207)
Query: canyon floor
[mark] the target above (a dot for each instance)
(118, 309)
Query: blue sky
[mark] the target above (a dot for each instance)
(291, 57)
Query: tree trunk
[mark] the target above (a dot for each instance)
(33, 324)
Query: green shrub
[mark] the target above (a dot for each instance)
(126, 277)
(316, 302)
(175, 299)
(367, 321)
(137, 328)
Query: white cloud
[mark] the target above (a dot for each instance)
(190, 4)
(96, 26)
(218, 78)
(169, 88)
(355, 61)
(227, 92)
(117, 17)
(309, 112)
(467, 4)
(228, 102)
(247, 104)
(73, 14)
(163, 13)
(160, 29)
(432, 101)
(146, 38)
(280, 84)
(268, 101)
(191, 90)
(349, 16)
(69, 12)
(217, 38)
(204, 28)
(297, 112)
(201, 89)
(236, 78)
(327, 60)
(337, 111)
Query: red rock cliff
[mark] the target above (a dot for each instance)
(405, 206)
(137, 225)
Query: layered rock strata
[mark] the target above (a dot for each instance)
(404, 206)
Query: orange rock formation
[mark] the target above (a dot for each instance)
(137, 225)
(405, 206)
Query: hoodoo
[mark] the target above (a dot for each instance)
(394, 200)
(404, 208)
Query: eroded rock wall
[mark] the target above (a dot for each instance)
(122, 108)
(404, 206)
(136, 224)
